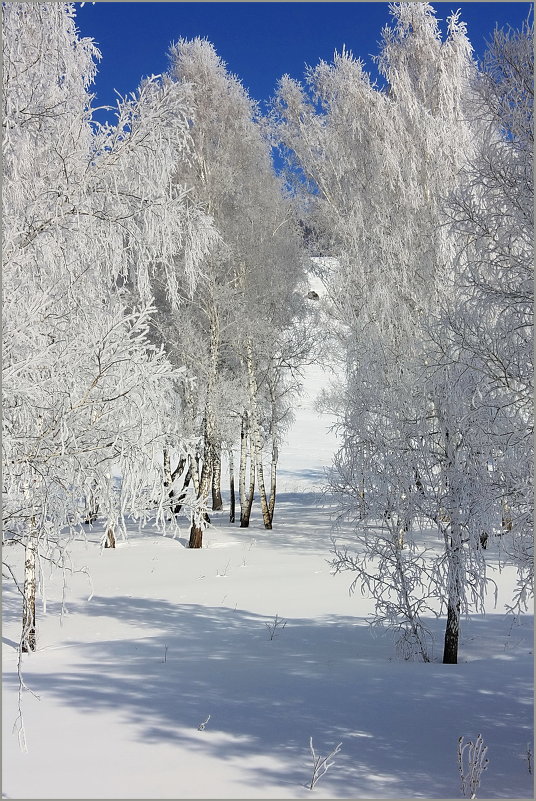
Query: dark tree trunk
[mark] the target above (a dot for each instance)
(454, 555)
(92, 505)
(196, 537)
(232, 500)
(452, 635)
(173, 502)
(178, 470)
(180, 500)
(418, 484)
(455, 558)
(177, 506)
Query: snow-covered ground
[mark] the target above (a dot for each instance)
(122, 681)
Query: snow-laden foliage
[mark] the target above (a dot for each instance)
(89, 212)
(233, 332)
(422, 436)
(372, 157)
(490, 314)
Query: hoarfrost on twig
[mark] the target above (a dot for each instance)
(472, 762)
(201, 726)
(321, 764)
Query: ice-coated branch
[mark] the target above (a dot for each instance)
(472, 762)
(321, 764)
(201, 726)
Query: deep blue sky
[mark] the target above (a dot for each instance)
(260, 42)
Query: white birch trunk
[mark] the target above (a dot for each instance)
(217, 503)
(246, 511)
(168, 480)
(201, 517)
(28, 639)
(167, 470)
(109, 541)
(256, 436)
(243, 463)
(273, 480)
(194, 473)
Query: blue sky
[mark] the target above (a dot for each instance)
(259, 41)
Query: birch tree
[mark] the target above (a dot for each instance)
(380, 162)
(491, 313)
(88, 215)
(247, 294)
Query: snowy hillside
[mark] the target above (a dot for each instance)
(165, 637)
(359, 631)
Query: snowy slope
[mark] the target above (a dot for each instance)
(121, 683)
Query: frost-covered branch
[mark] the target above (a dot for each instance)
(321, 764)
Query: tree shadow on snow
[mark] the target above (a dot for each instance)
(306, 474)
(303, 521)
(328, 679)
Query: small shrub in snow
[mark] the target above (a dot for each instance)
(276, 626)
(321, 764)
(472, 762)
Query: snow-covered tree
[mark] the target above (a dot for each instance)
(246, 299)
(491, 312)
(89, 212)
(380, 163)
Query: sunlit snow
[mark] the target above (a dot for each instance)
(121, 683)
